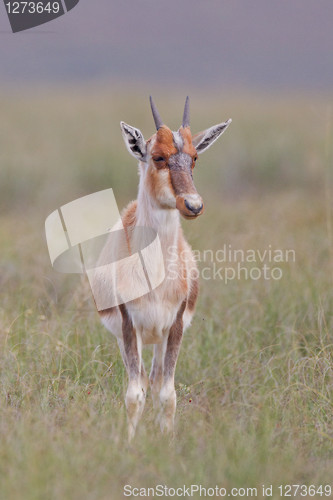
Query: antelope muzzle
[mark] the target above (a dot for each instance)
(190, 205)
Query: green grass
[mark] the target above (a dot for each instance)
(255, 374)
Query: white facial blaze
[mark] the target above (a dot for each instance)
(178, 140)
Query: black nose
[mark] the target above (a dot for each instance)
(193, 209)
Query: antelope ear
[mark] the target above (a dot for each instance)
(203, 140)
(134, 141)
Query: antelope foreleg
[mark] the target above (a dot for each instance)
(168, 394)
(137, 384)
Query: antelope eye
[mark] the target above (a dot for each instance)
(159, 159)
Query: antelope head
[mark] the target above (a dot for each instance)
(167, 161)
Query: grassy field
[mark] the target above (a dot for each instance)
(255, 374)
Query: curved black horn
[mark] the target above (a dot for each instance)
(186, 116)
(156, 115)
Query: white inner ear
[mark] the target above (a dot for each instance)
(134, 141)
(203, 140)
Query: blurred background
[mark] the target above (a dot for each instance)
(66, 85)
(209, 44)
(254, 379)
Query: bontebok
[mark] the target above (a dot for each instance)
(166, 190)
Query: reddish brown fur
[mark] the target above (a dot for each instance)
(128, 217)
(193, 295)
(174, 343)
(164, 145)
(157, 183)
(130, 343)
